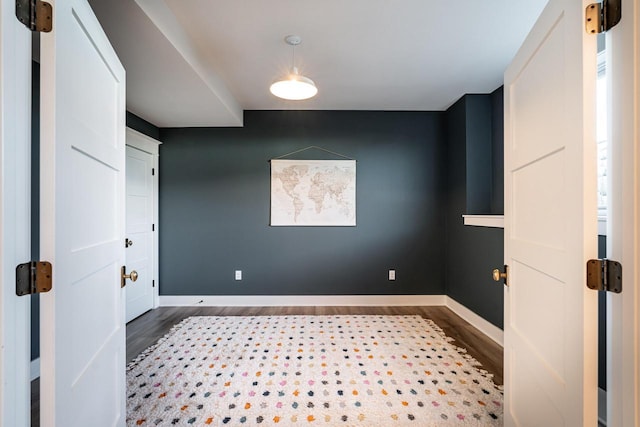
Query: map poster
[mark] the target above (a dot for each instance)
(313, 192)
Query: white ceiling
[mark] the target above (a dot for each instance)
(201, 62)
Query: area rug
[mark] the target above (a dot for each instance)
(309, 371)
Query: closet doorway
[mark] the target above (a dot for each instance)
(141, 227)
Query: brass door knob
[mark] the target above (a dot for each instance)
(133, 276)
(501, 275)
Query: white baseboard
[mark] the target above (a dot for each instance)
(299, 300)
(487, 328)
(490, 330)
(35, 369)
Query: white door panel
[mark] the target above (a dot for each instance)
(550, 223)
(140, 204)
(82, 222)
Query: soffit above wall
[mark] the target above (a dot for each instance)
(201, 62)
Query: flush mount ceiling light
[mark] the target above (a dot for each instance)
(294, 86)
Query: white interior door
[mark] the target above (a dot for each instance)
(15, 178)
(82, 332)
(139, 234)
(551, 223)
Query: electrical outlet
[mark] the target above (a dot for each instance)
(238, 274)
(392, 275)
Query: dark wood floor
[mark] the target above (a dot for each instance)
(147, 329)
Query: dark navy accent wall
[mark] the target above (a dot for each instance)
(413, 185)
(472, 252)
(412, 179)
(215, 201)
(142, 126)
(478, 153)
(497, 151)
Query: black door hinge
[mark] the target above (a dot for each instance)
(33, 277)
(601, 17)
(36, 15)
(604, 275)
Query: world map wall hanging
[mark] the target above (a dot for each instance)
(313, 192)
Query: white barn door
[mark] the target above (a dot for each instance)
(82, 222)
(551, 223)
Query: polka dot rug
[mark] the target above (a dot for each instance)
(309, 371)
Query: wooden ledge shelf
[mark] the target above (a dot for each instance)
(494, 221)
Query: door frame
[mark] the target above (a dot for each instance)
(15, 215)
(623, 223)
(151, 146)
